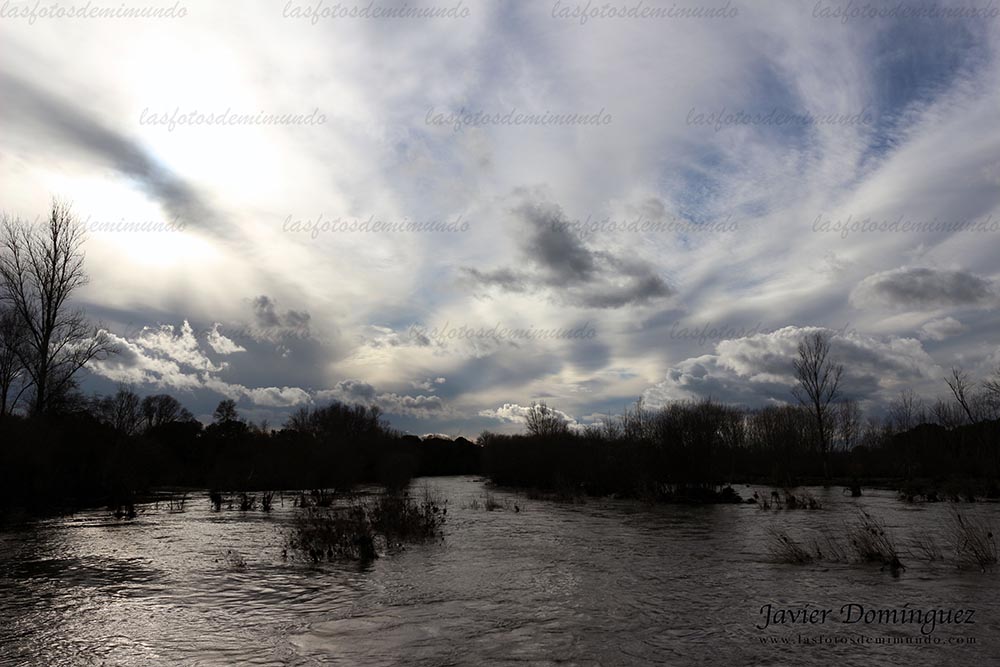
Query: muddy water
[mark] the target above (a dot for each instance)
(603, 582)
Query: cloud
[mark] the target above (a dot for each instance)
(63, 121)
(339, 305)
(353, 391)
(567, 269)
(222, 345)
(518, 414)
(170, 358)
(271, 325)
(180, 346)
(166, 357)
(136, 364)
(274, 397)
(507, 280)
(757, 370)
(380, 337)
(430, 384)
(922, 288)
(356, 391)
(942, 328)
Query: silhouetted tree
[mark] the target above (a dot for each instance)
(635, 423)
(40, 269)
(907, 411)
(128, 411)
(13, 381)
(161, 409)
(991, 395)
(947, 414)
(819, 385)
(545, 421)
(963, 390)
(121, 410)
(226, 412)
(849, 423)
(992, 385)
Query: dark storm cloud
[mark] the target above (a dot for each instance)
(906, 288)
(270, 324)
(297, 319)
(264, 313)
(563, 265)
(550, 246)
(506, 279)
(639, 291)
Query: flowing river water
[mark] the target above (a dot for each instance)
(609, 582)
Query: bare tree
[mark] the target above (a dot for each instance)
(545, 421)
(947, 414)
(992, 385)
(122, 411)
(635, 422)
(875, 433)
(907, 411)
(40, 269)
(161, 409)
(13, 382)
(819, 385)
(226, 412)
(849, 423)
(963, 391)
(991, 390)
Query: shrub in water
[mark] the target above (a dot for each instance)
(873, 543)
(975, 543)
(357, 530)
(786, 550)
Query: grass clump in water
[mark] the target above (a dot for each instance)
(786, 550)
(873, 543)
(363, 527)
(975, 542)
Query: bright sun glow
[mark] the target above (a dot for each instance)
(124, 227)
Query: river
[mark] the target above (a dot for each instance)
(601, 582)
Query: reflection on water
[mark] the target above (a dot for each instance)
(605, 582)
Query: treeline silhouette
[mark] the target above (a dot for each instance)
(111, 449)
(691, 451)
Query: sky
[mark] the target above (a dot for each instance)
(605, 208)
